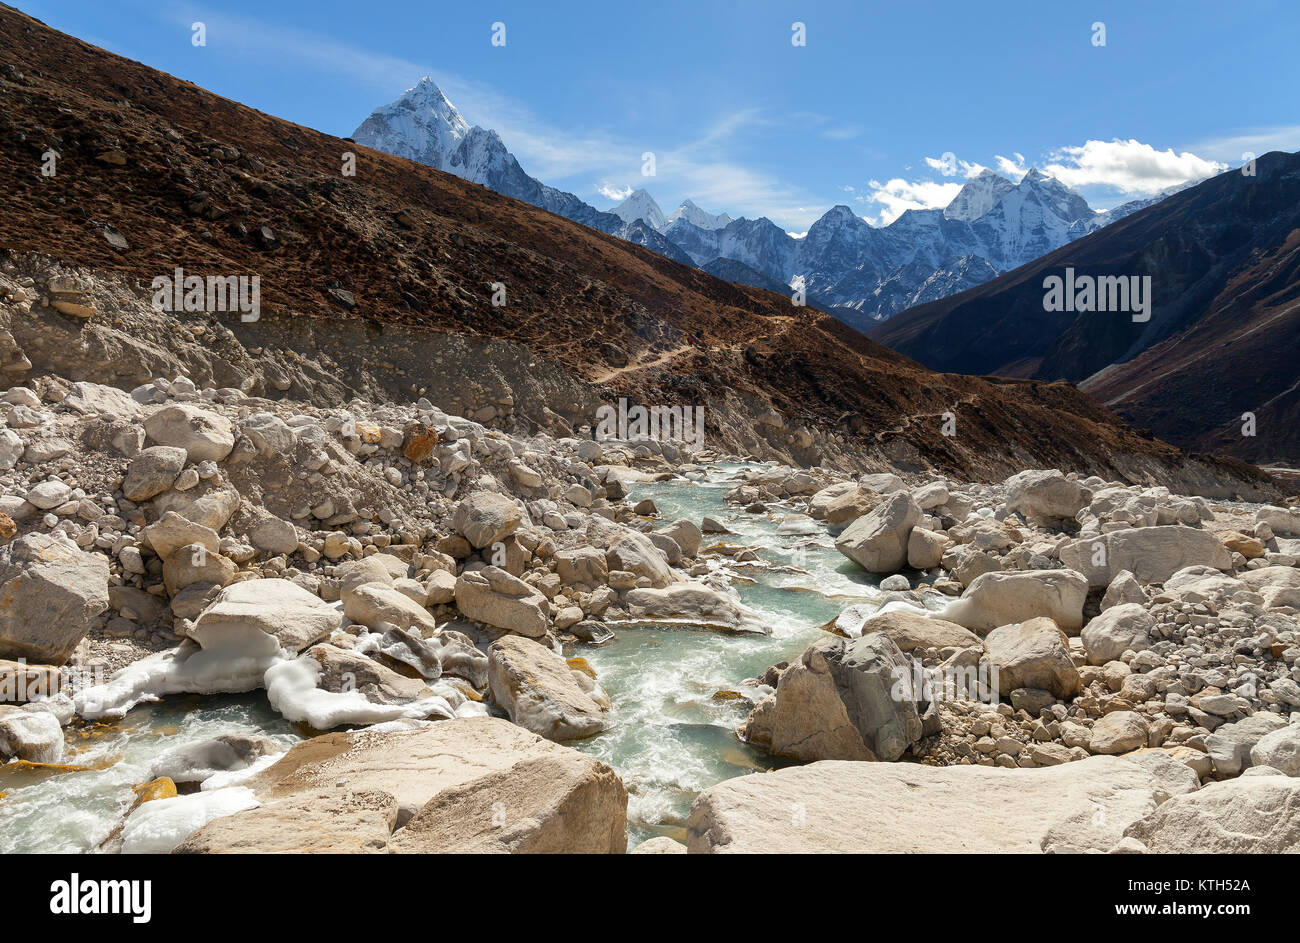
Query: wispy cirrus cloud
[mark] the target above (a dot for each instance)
(701, 166)
(705, 166)
(1232, 148)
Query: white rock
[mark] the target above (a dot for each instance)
(995, 599)
(1279, 749)
(203, 434)
(1248, 815)
(878, 541)
(817, 808)
(1152, 554)
(1115, 631)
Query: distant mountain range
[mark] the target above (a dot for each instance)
(860, 273)
(1224, 262)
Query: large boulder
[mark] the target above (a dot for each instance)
(30, 735)
(1045, 495)
(152, 472)
(194, 563)
(1117, 630)
(204, 435)
(95, 399)
(686, 534)
(909, 628)
(585, 565)
(371, 569)
(541, 693)
(966, 563)
(494, 597)
(171, 532)
(995, 599)
(1152, 554)
(882, 483)
(49, 593)
(1124, 588)
(1169, 767)
(1118, 732)
(1279, 749)
(878, 541)
(1230, 746)
(473, 785)
(696, 604)
(209, 506)
(261, 617)
(840, 503)
(372, 604)
(1249, 815)
(1284, 522)
(1032, 654)
(483, 518)
(843, 700)
(925, 549)
(338, 821)
(1279, 585)
(272, 534)
(896, 808)
(636, 553)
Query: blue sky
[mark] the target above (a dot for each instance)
(743, 121)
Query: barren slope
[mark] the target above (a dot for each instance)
(194, 180)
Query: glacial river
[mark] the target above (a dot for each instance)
(669, 737)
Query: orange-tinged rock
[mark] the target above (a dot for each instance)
(15, 766)
(160, 788)
(420, 443)
(581, 664)
(1248, 547)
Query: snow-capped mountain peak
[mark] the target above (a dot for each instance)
(641, 205)
(421, 125)
(692, 214)
(991, 226)
(979, 195)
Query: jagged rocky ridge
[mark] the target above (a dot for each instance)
(859, 273)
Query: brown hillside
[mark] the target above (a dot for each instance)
(194, 180)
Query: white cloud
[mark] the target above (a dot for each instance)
(616, 194)
(1130, 167)
(1014, 169)
(896, 196)
(950, 166)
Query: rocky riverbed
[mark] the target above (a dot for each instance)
(237, 623)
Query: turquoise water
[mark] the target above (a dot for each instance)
(669, 738)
